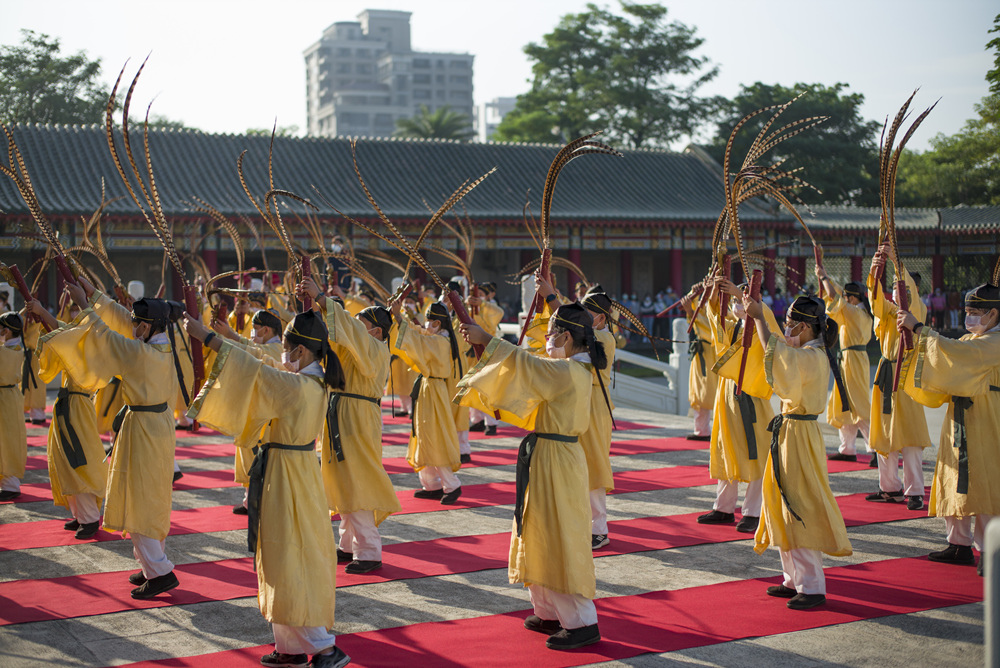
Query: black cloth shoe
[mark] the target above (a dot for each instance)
(841, 457)
(715, 517)
(240, 509)
(335, 659)
(155, 586)
(86, 531)
(873, 463)
(781, 591)
(954, 554)
(465, 459)
(137, 578)
(72, 525)
(979, 567)
(451, 497)
(491, 430)
(428, 494)
(698, 437)
(573, 638)
(279, 660)
(805, 601)
(9, 495)
(344, 557)
(38, 421)
(178, 475)
(914, 503)
(539, 625)
(478, 426)
(748, 524)
(357, 567)
(400, 414)
(885, 497)
(598, 540)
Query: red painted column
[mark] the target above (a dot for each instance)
(625, 259)
(937, 271)
(857, 269)
(769, 278)
(574, 255)
(211, 258)
(677, 271)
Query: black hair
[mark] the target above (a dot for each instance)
(257, 298)
(984, 297)
(379, 316)
(812, 311)
(488, 286)
(161, 314)
(267, 318)
(860, 292)
(369, 295)
(13, 322)
(307, 329)
(575, 319)
(598, 302)
(439, 312)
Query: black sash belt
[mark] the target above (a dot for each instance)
(116, 382)
(858, 348)
(333, 419)
(414, 394)
(255, 491)
(116, 424)
(524, 453)
(748, 413)
(27, 373)
(4, 387)
(775, 428)
(67, 433)
(883, 379)
(696, 348)
(961, 436)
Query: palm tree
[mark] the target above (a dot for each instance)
(443, 123)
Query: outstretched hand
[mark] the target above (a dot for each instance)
(474, 334)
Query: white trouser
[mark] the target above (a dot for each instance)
(149, 552)
(36, 413)
(84, 508)
(476, 415)
(177, 467)
(464, 447)
(302, 639)
(439, 477)
(572, 610)
(183, 420)
(406, 403)
(849, 435)
(599, 512)
(246, 496)
(960, 530)
(727, 493)
(803, 570)
(9, 483)
(360, 536)
(913, 472)
(702, 422)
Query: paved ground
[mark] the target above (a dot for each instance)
(943, 636)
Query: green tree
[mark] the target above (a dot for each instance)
(442, 123)
(39, 85)
(280, 131)
(632, 74)
(839, 157)
(993, 76)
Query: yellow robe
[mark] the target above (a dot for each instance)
(246, 441)
(184, 356)
(729, 452)
(461, 413)
(970, 367)
(703, 385)
(854, 327)
(34, 393)
(553, 550)
(142, 462)
(596, 441)
(13, 435)
(296, 557)
(906, 425)
(360, 481)
(107, 402)
(92, 477)
(433, 441)
(800, 377)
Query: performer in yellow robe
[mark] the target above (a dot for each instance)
(289, 524)
(703, 383)
(966, 374)
(265, 341)
(433, 352)
(488, 315)
(357, 486)
(898, 425)
(739, 423)
(78, 470)
(34, 389)
(138, 494)
(549, 548)
(13, 435)
(401, 376)
(800, 514)
(849, 308)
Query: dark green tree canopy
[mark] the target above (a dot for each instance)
(442, 123)
(632, 74)
(39, 85)
(993, 76)
(838, 157)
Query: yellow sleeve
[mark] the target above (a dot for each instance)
(781, 367)
(352, 336)
(115, 316)
(48, 363)
(91, 352)
(489, 317)
(956, 367)
(423, 353)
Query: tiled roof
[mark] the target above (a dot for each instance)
(867, 218)
(971, 218)
(67, 164)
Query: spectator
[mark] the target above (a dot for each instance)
(766, 297)
(661, 325)
(647, 312)
(939, 304)
(954, 303)
(779, 305)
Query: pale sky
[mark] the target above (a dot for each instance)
(229, 65)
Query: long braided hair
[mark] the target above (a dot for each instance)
(575, 319)
(812, 311)
(307, 329)
(439, 312)
(13, 322)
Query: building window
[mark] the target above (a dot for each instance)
(422, 79)
(364, 68)
(459, 80)
(439, 79)
(421, 63)
(363, 53)
(344, 52)
(421, 94)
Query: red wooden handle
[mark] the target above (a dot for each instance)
(22, 287)
(463, 316)
(750, 328)
(307, 301)
(727, 265)
(905, 336)
(64, 270)
(536, 303)
(197, 358)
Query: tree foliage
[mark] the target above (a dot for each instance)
(993, 76)
(39, 85)
(442, 123)
(632, 74)
(839, 157)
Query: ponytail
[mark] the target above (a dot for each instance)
(439, 312)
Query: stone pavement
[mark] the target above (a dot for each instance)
(943, 636)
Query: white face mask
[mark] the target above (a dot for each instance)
(793, 341)
(974, 323)
(739, 310)
(552, 351)
(286, 359)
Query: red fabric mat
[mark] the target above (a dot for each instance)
(193, 451)
(660, 621)
(192, 480)
(101, 593)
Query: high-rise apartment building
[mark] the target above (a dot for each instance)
(362, 76)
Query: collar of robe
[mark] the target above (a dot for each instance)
(312, 369)
(581, 357)
(10, 343)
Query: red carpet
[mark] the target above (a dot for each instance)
(101, 593)
(192, 480)
(660, 621)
